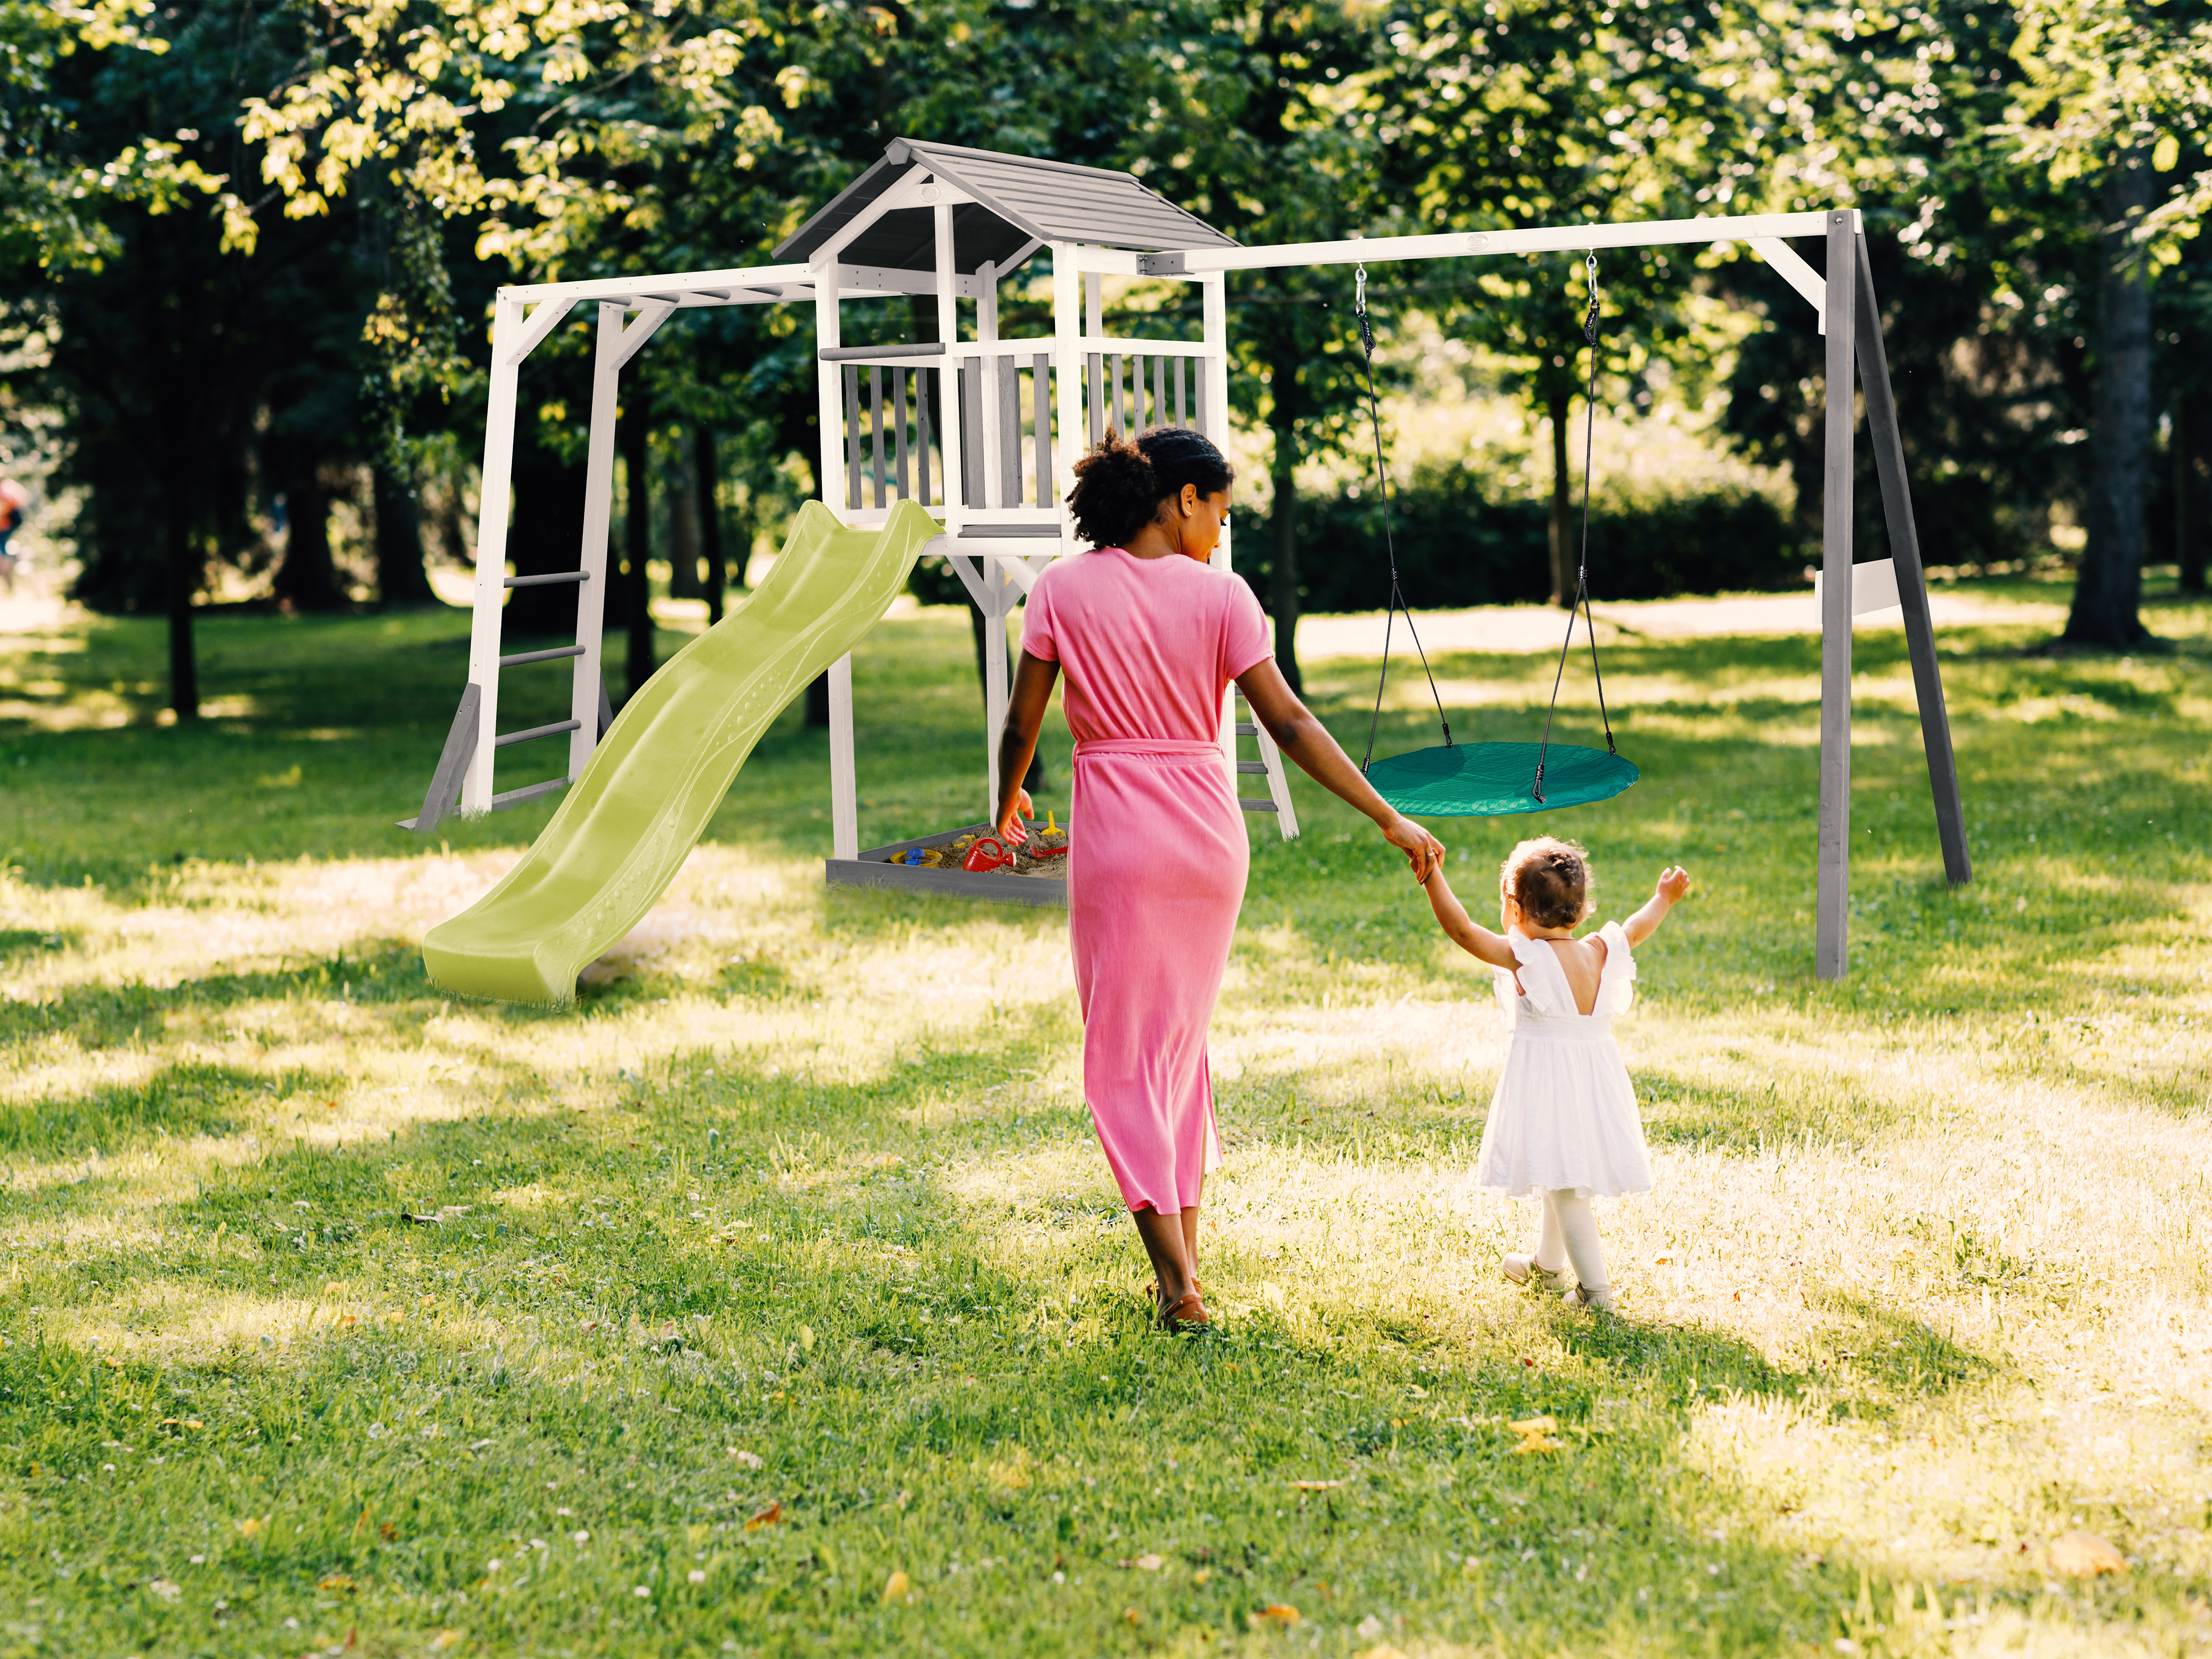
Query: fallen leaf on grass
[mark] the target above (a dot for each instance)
(337, 1581)
(1280, 1613)
(897, 1586)
(1535, 1425)
(252, 1525)
(1316, 1485)
(750, 1459)
(168, 1588)
(2084, 1555)
(766, 1518)
(445, 1638)
(1384, 1651)
(1143, 1563)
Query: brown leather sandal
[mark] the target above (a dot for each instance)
(1188, 1314)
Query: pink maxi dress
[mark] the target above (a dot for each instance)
(1157, 857)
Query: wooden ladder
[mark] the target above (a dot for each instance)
(1269, 766)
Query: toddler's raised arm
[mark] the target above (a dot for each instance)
(1674, 882)
(1470, 935)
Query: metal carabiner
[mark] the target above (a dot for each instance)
(1359, 290)
(1589, 322)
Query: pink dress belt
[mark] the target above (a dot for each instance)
(1162, 746)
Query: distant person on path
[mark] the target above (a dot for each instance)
(1150, 639)
(14, 502)
(1563, 1123)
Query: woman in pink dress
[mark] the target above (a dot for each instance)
(1150, 638)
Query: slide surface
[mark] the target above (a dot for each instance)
(628, 823)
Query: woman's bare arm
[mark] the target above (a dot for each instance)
(1470, 935)
(1034, 678)
(1307, 741)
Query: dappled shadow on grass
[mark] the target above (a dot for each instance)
(1698, 1116)
(180, 1099)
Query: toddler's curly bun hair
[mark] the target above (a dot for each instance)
(1550, 879)
(1120, 484)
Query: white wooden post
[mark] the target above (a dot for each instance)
(1832, 901)
(844, 790)
(995, 664)
(948, 377)
(598, 508)
(492, 511)
(1067, 378)
(1213, 304)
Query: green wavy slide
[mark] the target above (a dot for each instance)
(629, 823)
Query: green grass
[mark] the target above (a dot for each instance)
(338, 1311)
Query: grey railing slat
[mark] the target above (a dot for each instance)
(522, 657)
(537, 732)
(883, 353)
(529, 792)
(547, 581)
(1040, 393)
(1259, 805)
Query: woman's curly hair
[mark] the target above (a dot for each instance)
(1550, 880)
(1120, 484)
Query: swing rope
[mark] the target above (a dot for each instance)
(1582, 572)
(1389, 551)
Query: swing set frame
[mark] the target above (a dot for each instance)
(940, 220)
(1843, 300)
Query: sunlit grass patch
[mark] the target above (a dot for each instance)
(776, 1295)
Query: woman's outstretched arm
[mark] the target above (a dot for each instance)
(1307, 741)
(1032, 695)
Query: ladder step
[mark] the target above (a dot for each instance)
(1252, 766)
(1247, 729)
(522, 657)
(548, 582)
(529, 792)
(1251, 806)
(537, 732)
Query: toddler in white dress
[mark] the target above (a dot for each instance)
(1562, 1124)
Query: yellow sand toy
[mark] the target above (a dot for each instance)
(644, 799)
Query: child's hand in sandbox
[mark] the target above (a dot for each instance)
(1010, 828)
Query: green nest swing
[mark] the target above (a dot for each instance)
(1491, 780)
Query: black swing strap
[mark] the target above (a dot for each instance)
(1389, 551)
(1582, 572)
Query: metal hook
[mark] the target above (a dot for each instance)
(1359, 290)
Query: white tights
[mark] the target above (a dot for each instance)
(1569, 1232)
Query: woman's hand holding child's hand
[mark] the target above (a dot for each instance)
(1423, 851)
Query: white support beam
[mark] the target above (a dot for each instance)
(549, 315)
(496, 495)
(684, 281)
(948, 379)
(1790, 266)
(1067, 287)
(844, 783)
(650, 316)
(1547, 239)
(829, 406)
(598, 508)
(1213, 307)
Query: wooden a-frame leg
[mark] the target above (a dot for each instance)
(1911, 582)
(1833, 901)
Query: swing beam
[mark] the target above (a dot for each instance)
(1843, 299)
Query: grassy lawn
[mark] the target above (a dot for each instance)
(776, 1299)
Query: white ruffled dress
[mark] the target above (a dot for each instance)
(1564, 1112)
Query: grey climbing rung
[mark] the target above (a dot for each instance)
(521, 657)
(1246, 729)
(547, 581)
(1250, 805)
(1252, 766)
(537, 732)
(529, 792)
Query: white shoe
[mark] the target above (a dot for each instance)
(1582, 1297)
(1522, 1268)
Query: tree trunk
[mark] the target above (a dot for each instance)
(1556, 405)
(184, 571)
(707, 476)
(637, 539)
(400, 579)
(1282, 517)
(307, 580)
(2187, 509)
(681, 492)
(2109, 589)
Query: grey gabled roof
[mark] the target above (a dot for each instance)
(1018, 200)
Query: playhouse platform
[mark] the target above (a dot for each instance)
(874, 868)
